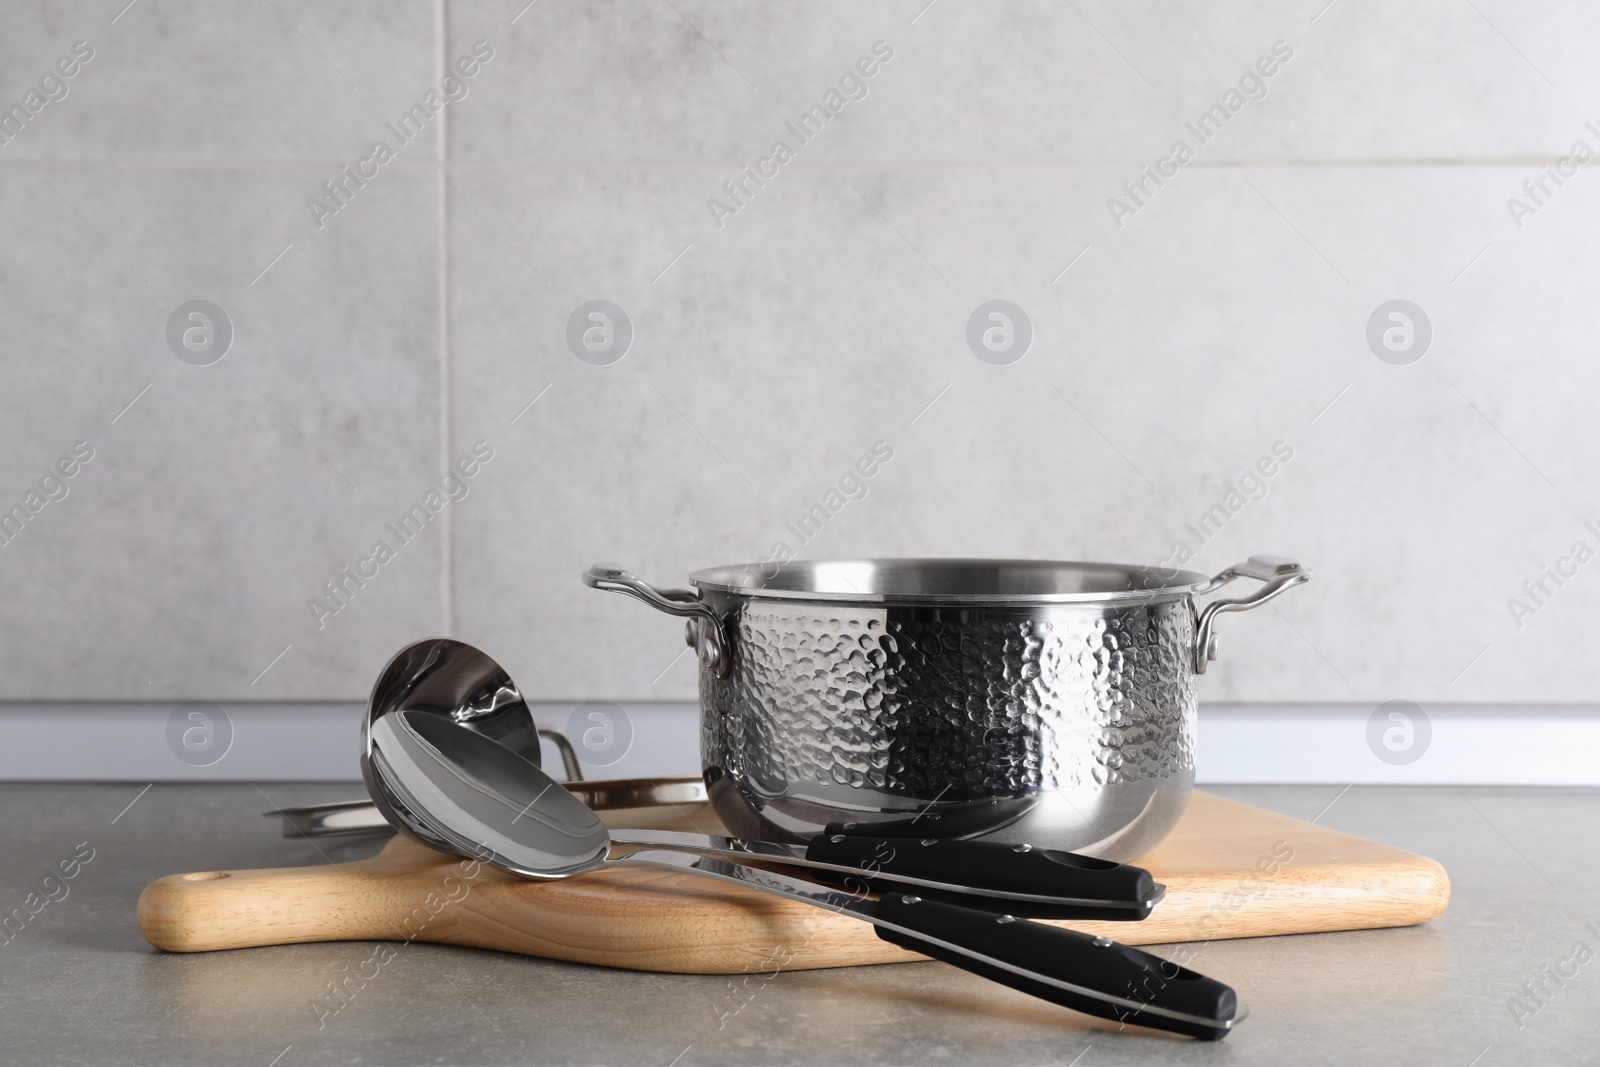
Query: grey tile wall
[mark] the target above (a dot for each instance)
(1176, 340)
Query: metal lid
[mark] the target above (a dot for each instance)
(946, 581)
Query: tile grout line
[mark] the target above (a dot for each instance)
(220, 163)
(447, 538)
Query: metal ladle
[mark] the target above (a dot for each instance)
(459, 683)
(485, 801)
(456, 680)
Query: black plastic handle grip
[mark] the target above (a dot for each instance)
(1034, 958)
(987, 865)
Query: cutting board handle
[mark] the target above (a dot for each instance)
(387, 897)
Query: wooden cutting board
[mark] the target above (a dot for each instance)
(1231, 870)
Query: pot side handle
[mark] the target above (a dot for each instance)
(704, 632)
(1275, 573)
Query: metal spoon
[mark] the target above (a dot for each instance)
(493, 775)
(460, 684)
(489, 803)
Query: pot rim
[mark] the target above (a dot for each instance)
(951, 581)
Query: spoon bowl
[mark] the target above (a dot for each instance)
(484, 800)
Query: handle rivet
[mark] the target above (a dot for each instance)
(1102, 942)
(930, 840)
(1023, 848)
(912, 900)
(836, 838)
(1005, 919)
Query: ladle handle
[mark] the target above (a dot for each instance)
(1094, 975)
(1085, 888)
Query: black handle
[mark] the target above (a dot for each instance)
(1112, 980)
(987, 865)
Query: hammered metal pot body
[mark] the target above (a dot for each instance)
(1037, 702)
(1069, 726)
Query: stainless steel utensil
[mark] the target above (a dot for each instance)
(1022, 701)
(456, 680)
(342, 817)
(490, 803)
(411, 750)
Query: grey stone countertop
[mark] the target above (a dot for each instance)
(78, 984)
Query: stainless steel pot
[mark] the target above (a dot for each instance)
(1028, 701)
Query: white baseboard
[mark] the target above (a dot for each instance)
(1480, 744)
(1289, 744)
(272, 742)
